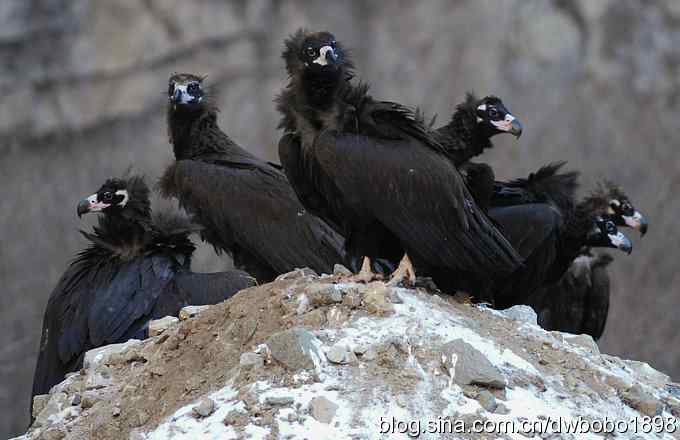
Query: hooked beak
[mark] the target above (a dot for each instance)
(83, 207)
(89, 204)
(509, 124)
(621, 242)
(637, 221)
(327, 57)
(516, 128)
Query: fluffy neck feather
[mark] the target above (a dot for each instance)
(121, 234)
(195, 132)
(314, 97)
(463, 136)
(576, 230)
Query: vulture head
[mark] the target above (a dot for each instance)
(493, 117)
(605, 234)
(616, 205)
(315, 53)
(622, 210)
(126, 197)
(185, 91)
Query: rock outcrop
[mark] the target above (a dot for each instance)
(318, 357)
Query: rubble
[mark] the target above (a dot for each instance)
(253, 367)
(158, 326)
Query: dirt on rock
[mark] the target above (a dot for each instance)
(307, 355)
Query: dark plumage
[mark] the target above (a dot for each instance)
(579, 302)
(620, 207)
(246, 206)
(472, 126)
(375, 171)
(136, 268)
(546, 185)
(549, 229)
(469, 133)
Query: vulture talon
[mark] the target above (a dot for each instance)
(405, 275)
(366, 274)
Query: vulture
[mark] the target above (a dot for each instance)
(135, 269)
(245, 205)
(373, 170)
(579, 301)
(469, 133)
(472, 126)
(549, 229)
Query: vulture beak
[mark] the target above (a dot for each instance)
(83, 207)
(509, 124)
(90, 204)
(636, 221)
(516, 128)
(327, 57)
(621, 242)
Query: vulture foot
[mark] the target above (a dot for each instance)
(405, 275)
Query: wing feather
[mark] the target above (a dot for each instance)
(252, 206)
(419, 196)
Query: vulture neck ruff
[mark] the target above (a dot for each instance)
(319, 89)
(132, 232)
(314, 103)
(124, 235)
(578, 224)
(463, 136)
(194, 133)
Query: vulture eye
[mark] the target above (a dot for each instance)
(193, 88)
(493, 112)
(107, 196)
(333, 43)
(310, 51)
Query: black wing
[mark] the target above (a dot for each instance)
(480, 179)
(544, 186)
(212, 288)
(251, 206)
(534, 231)
(597, 309)
(419, 196)
(129, 298)
(298, 171)
(50, 368)
(579, 302)
(390, 120)
(95, 305)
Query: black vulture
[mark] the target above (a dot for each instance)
(549, 229)
(135, 269)
(621, 209)
(579, 301)
(245, 205)
(531, 218)
(375, 171)
(469, 133)
(472, 126)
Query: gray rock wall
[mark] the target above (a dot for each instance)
(595, 82)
